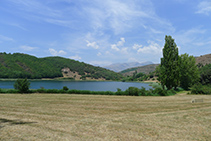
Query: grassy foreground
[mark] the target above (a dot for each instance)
(87, 117)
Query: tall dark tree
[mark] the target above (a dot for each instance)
(169, 68)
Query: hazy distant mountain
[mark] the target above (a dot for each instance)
(143, 69)
(122, 66)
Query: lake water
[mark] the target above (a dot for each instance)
(78, 85)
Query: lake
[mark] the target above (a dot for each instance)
(78, 85)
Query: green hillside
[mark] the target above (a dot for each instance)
(20, 65)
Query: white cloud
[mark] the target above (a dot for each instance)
(99, 54)
(18, 26)
(114, 47)
(100, 63)
(56, 53)
(136, 46)
(36, 7)
(76, 57)
(119, 44)
(4, 38)
(123, 16)
(27, 48)
(108, 53)
(189, 36)
(152, 48)
(92, 44)
(204, 7)
(133, 59)
(124, 50)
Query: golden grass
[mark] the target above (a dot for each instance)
(85, 117)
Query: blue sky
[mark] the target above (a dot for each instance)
(104, 32)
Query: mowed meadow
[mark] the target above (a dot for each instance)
(88, 117)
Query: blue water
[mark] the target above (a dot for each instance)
(78, 85)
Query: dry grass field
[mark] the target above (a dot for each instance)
(86, 117)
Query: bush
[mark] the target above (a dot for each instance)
(197, 89)
(42, 90)
(8, 91)
(160, 91)
(171, 92)
(65, 88)
(142, 91)
(119, 92)
(13, 91)
(201, 89)
(22, 85)
(132, 91)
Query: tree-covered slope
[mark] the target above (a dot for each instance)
(19, 65)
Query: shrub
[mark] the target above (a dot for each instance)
(201, 89)
(142, 91)
(42, 90)
(171, 92)
(197, 89)
(132, 91)
(119, 92)
(160, 91)
(65, 88)
(22, 85)
(12, 91)
(52, 91)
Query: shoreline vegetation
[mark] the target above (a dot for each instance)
(131, 91)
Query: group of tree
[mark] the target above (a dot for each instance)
(18, 65)
(176, 70)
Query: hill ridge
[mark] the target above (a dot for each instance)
(19, 65)
(203, 59)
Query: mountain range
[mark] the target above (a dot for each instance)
(203, 60)
(118, 67)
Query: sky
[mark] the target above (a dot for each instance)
(102, 32)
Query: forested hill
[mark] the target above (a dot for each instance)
(20, 65)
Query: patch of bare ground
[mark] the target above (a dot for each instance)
(75, 75)
(204, 59)
(87, 117)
